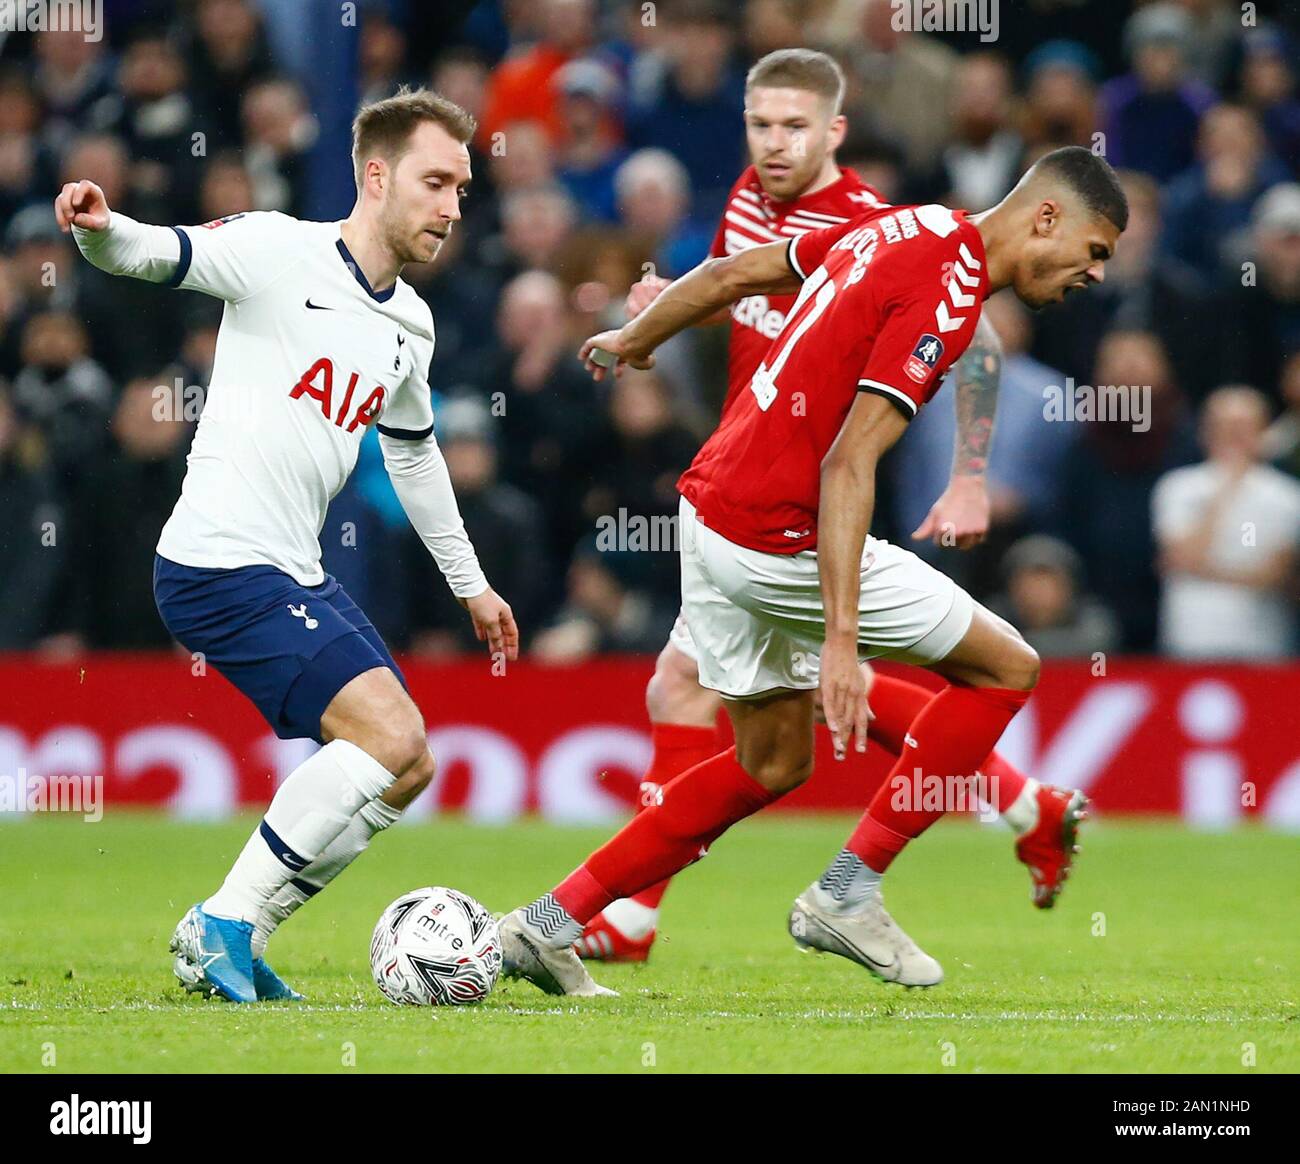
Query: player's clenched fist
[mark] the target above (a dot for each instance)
(81, 204)
(644, 293)
(494, 622)
(610, 349)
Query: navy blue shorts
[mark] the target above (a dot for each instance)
(289, 648)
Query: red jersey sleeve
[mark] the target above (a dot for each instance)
(926, 323)
(806, 251)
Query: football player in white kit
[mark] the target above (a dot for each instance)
(319, 339)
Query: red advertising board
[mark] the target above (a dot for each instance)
(1212, 743)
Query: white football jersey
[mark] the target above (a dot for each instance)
(308, 357)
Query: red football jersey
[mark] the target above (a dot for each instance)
(889, 301)
(752, 218)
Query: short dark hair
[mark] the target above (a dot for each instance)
(384, 127)
(799, 68)
(1091, 177)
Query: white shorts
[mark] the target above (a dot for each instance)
(755, 621)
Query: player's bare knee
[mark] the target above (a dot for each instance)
(780, 768)
(780, 774)
(412, 782)
(674, 694)
(1020, 668)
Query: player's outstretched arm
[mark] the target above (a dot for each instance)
(848, 498)
(110, 240)
(960, 517)
(692, 299)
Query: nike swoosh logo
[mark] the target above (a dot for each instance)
(854, 946)
(317, 306)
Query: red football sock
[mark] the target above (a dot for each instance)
(999, 782)
(696, 808)
(677, 747)
(896, 704)
(954, 733)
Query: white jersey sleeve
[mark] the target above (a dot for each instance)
(235, 257)
(231, 258)
(409, 412)
(420, 478)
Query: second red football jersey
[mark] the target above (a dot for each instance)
(752, 218)
(889, 301)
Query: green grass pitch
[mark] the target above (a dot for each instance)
(1170, 951)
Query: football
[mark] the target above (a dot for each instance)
(435, 947)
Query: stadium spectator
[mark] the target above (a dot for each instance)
(24, 162)
(521, 88)
(36, 541)
(1060, 96)
(117, 511)
(1149, 117)
(592, 151)
(551, 426)
(42, 277)
(154, 117)
(1207, 205)
(73, 78)
(506, 526)
(535, 225)
(62, 391)
(654, 197)
(1268, 86)
(226, 188)
(603, 611)
(1043, 600)
(1228, 530)
(1282, 440)
(773, 24)
(982, 162)
(1104, 510)
(637, 470)
(1260, 323)
(228, 53)
(899, 81)
(381, 56)
(279, 132)
(694, 103)
(461, 75)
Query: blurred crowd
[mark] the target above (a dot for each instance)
(608, 142)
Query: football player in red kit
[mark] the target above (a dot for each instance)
(778, 568)
(793, 127)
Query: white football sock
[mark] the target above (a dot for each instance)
(847, 884)
(1022, 813)
(632, 919)
(374, 817)
(308, 811)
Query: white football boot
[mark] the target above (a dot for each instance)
(525, 954)
(867, 935)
